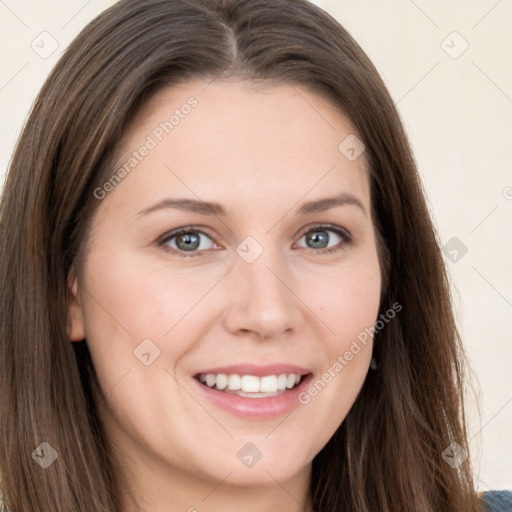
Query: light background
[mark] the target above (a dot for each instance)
(457, 110)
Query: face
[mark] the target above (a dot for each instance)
(270, 280)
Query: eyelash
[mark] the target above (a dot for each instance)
(345, 235)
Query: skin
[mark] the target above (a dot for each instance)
(261, 152)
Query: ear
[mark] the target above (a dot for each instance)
(75, 327)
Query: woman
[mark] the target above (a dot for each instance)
(175, 334)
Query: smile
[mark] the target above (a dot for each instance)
(253, 392)
(251, 386)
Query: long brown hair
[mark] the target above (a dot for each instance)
(387, 454)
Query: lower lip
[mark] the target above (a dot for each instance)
(256, 408)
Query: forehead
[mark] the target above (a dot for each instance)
(245, 141)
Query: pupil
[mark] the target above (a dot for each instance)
(190, 241)
(317, 237)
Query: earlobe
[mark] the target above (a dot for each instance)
(75, 327)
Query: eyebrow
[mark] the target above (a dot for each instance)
(216, 209)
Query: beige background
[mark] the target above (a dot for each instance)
(456, 105)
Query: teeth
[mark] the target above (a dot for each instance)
(221, 381)
(250, 384)
(269, 385)
(234, 382)
(290, 381)
(281, 381)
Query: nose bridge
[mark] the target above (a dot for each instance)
(264, 276)
(263, 300)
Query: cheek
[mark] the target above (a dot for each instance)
(133, 308)
(350, 302)
(136, 299)
(349, 307)
(128, 310)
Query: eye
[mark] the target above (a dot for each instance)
(191, 240)
(318, 236)
(186, 240)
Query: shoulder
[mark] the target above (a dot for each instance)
(497, 501)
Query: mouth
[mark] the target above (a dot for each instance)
(251, 386)
(253, 392)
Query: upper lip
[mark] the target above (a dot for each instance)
(258, 371)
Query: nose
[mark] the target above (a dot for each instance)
(262, 298)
